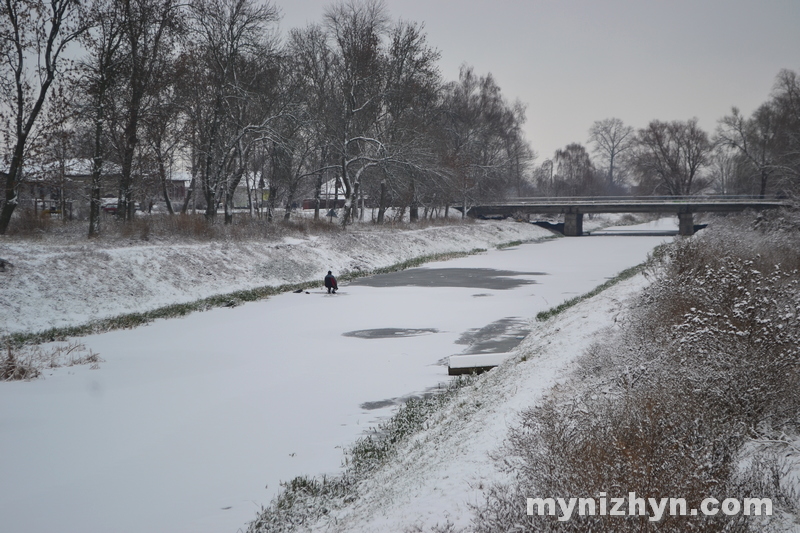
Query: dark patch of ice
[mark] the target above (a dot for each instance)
(478, 278)
(388, 333)
(400, 400)
(498, 337)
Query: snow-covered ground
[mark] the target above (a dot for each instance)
(58, 285)
(188, 419)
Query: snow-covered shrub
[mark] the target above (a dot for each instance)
(709, 361)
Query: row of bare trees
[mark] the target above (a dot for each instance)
(757, 155)
(143, 87)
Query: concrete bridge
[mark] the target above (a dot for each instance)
(575, 207)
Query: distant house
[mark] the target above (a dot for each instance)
(331, 195)
(178, 185)
(181, 182)
(64, 187)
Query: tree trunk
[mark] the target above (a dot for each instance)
(317, 192)
(211, 200)
(210, 187)
(354, 201)
(230, 192)
(413, 211)
(162, 173)
(289, 200)
(188, 198)
(382, 206)
(97, 166)
(763, 191)
(228, 208)
(250, 202)
(332, 210)
(348, 193)
(273, 193)
(611, 172)
(12, 183)
(126, 206)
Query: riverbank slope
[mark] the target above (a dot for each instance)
(58, 285)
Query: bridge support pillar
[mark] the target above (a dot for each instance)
(685, 224)
(573, 224)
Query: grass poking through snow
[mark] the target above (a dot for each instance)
(306, 500)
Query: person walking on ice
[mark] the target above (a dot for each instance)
(330, 283)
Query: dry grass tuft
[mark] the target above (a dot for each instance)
(30, 224)
(27, 362)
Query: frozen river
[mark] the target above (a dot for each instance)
(190, 423)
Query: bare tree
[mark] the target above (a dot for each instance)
(786, 101)
(356, 30)
(522, 157)
(374, 105)
(239, 67)
(412, 85)
(33, 37)
(163, 127)
(477, 125)
(148, 27)
(574, 171)
(99, 71)
(314, 121)
(671, 154)
(726, 167)
(611, 138)
(755, 139)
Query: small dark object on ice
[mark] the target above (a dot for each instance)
(308, 292)
(298, 291)
(4, 264)
(330, 283)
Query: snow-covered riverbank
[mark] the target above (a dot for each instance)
(62, 285)
(187, 420)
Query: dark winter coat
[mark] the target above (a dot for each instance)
(330, 282)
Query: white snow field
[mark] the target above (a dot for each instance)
(190, 423)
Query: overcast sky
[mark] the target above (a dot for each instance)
(576, 61)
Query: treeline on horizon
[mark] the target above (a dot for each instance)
(211, 88)
(755, 156)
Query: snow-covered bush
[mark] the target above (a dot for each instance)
(667, 407)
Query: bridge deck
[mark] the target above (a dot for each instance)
(650, 204)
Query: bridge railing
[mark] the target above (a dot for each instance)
(534, 200)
